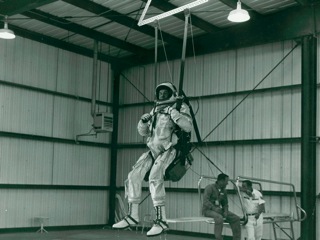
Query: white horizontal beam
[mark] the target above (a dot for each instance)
(143, 21)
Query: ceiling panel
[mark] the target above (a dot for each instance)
(113, 23)
(269, 6)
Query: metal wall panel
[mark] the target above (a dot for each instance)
(73, 118)
(25, 161)
(27, 62)
(132, 87)
(211, 74)
(128, 122)
(76, 207)
(80, 165)
(30, 63)
(255, 63)
(37, 162)
(35, 113)
(262, 116)
(74, 74)
(25, 111)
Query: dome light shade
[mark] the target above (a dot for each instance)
(238, 15)
(6, 33)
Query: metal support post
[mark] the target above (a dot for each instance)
(114, 149)
(308, 131)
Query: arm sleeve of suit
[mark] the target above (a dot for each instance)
(144, 128)
(183, 118)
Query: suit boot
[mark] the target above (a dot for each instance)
(160, 225)
(131, 220)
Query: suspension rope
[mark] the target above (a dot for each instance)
(165, 53)
(156, 24)
(192, 41)
(210, 160)
(250, 92)
(135, 87)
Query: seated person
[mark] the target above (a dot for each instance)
(215, 205)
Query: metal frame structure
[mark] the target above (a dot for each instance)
(276, 218)
(268, 218)
(143, 21)
(209, 220)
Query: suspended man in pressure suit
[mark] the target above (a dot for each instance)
(159, 126)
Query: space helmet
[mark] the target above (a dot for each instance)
(172, 92)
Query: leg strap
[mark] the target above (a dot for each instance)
(131, 218)
(161, 223)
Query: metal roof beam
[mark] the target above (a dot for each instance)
(10, 7)
(292, 23)
(231, 3)
(79, 29)
(121, 19)
(65, 45)
(196, 21)
(303, 2)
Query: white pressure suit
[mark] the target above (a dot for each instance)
(160, 130)
(159, 126)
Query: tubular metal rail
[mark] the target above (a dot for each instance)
(277, 218)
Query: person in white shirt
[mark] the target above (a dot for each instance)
(254, 206)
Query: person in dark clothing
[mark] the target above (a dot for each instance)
(215, 205)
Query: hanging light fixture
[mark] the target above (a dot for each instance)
(238, 15)
(6, 33)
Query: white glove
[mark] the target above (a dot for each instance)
(146, 117)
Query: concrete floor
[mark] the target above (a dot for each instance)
(105, 234)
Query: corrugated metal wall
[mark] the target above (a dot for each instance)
(45, 102)
(217, 83)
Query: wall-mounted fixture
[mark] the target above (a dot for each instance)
(6, 33)
(238, 15)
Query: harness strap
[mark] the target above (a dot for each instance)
(161, 223)
(131, 218)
